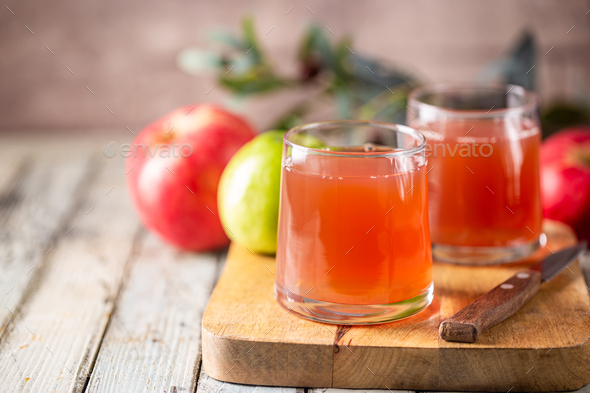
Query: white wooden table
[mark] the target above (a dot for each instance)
(91, 302)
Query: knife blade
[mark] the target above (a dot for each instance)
(507, 298)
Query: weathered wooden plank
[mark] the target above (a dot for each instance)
(153, 342)
(249, 338)
(11, 170)
(52, 342)
(333, 390)
(211, 385)
(34, 204)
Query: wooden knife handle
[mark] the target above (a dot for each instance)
(491, 308)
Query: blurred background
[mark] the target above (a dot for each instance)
(106, 65)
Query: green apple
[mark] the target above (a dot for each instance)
(248, 195)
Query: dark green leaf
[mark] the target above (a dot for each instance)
(316, 44)
(376, 73)
(516, 68)
(251, 83)
(522, 60)
(561, 115)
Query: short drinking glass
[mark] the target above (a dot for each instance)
(353, 243)
(483, 170)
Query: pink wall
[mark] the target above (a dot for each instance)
(124, 51)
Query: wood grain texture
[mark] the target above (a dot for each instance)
(249, 338)
(36, 198)
(543, 347)
(491, 308)
(153, 342)
(51, 343)
(334, 390)
(211, 385)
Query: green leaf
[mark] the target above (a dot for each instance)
(250, 39)
(316, 44)
(251, 82)
(343, 61)
(344, 102)
(248, 71)
(242, 64)
(515, 68)
(307, 45)
(373, 72)
(194, 61)
(386, 106)
(395, 112)
(563, 114)
(288, 121)
(521, 62)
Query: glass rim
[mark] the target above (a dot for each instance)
(531, 99)
(405, 152)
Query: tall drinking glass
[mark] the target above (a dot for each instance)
(483, 170)
(353, 242)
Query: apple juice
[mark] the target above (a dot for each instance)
(353, 230)
(483, 182)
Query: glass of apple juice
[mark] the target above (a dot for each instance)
(483, 170)
(353, 242)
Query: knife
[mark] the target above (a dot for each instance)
(507, 298)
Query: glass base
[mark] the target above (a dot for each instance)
(464, 255)
(349, 314)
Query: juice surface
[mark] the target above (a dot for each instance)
(484, 200)
(353, 232)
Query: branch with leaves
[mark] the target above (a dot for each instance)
(359, 87)
(355, 85)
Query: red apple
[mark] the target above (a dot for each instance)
(174, 166)
(565, 178)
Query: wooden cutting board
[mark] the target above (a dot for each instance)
(248, 338)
